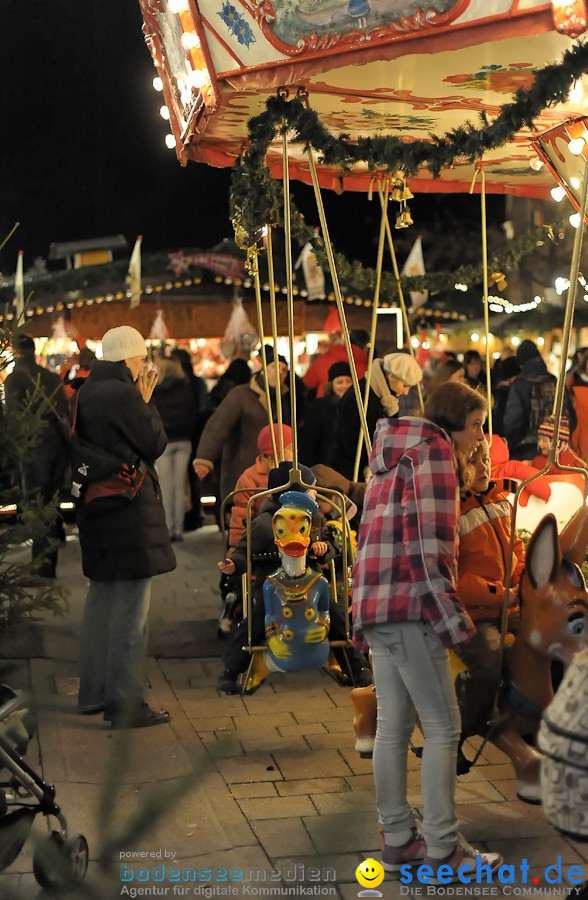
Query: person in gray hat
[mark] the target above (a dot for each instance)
(124, 542)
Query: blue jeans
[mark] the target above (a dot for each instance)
(411, 672)
(114, 643)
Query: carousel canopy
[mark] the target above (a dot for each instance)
(406, 68)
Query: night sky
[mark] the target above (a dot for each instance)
(84, 151)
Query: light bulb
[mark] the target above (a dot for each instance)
(178, 6)
(170, 141)
(536, 164)
(475, 337)
(199, 77)
(189, 40)
(158, 83)
(558, 193)
(575, 182)
(515, 341)
(540, 341)
(575, 220)
(576, 146)
(164, 113)
(414, 341)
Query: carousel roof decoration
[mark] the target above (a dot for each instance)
(412, 74)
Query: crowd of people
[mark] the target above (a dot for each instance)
(418, 589)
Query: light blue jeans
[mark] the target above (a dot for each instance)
(172, 468)
(411, 672)
(114, 643)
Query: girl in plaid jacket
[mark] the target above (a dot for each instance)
(405, 602)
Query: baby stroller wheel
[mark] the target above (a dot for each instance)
(61, 862)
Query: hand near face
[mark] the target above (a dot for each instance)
(146, 382)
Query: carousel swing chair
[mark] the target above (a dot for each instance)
(257, 670)
(550, 628)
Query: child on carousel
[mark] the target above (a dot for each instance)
(485, 524)
(265, 560)
(545, 434)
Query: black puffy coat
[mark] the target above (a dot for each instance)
(175, 399)
(123, 541)
(347, 428)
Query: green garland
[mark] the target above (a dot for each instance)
(257, 199)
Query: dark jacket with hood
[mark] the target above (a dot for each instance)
(522, 443)
(174, 398)
(122, 539)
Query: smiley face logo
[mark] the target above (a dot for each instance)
(370, 873)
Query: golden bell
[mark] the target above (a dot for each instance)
(404, 219)
(397, 194)
(498, 279)
(407, 194)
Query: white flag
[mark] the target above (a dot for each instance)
(134, 274)
(19, 289)
(415, 265)
(313, 274)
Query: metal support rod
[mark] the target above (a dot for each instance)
(339, 299)
(268, 398)
(290, 295)
(375, 307)
(480, 169)
(401, 299)
(272, 286)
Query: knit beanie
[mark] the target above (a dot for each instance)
(402, 366)
(547, 428)
(264, 438)
(339, 370)
(279, 476)
(526, 351)
(122, 342)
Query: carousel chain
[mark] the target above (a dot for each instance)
(376, 303)
(270, 269)
(401, 297)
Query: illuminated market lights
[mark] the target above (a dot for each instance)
(461, 287)
(170, 141)
(158, 83)
(475, 337)
(414, 342)
(575, 220)
(515, 341)
(561, 285)
(540, 341)
(558, 193)
(164, 113)
(189, 40)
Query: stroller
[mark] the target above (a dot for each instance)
(60, 861)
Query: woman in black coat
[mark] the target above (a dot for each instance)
(124, 542)
(316, 434)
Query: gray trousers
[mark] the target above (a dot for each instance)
(114, 644)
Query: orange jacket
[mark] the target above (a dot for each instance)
(484, 537)
(504, 467)
(567, 457)
(251, 480)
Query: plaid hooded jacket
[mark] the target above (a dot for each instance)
(405, 565)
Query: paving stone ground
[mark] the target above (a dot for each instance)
(269, 785)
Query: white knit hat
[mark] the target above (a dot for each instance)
(403, 367)
(121, 343)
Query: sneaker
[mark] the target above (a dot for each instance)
(227, 682)
(463, 859)
(144, 717)
(395, 857)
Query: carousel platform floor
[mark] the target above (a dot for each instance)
(268, 785)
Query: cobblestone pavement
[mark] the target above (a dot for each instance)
(268, 785)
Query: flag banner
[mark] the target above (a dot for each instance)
(134, 274)
(415, 265)
(222, 263)
(19, 289)
(314, 276)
